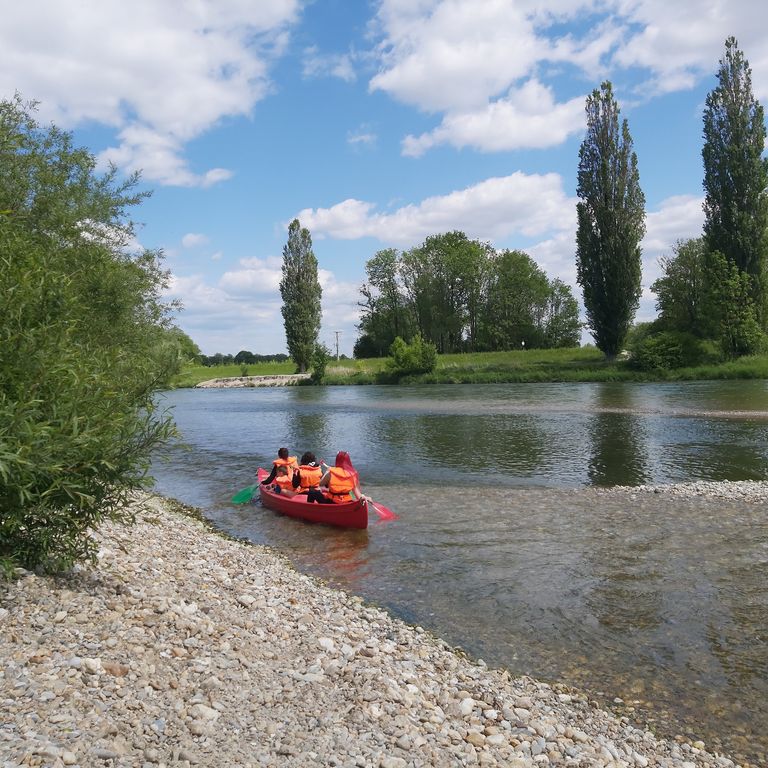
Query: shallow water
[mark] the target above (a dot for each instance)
(504, 549)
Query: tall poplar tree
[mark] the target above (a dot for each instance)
(736, 173)
(301, 293)
(611, 223)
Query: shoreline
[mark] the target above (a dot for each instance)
(276, 380)
(186, 647)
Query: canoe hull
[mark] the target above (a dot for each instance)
(351, 514)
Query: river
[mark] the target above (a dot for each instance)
(656, 605)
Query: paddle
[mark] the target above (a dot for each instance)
(244, 496)
(384, 513)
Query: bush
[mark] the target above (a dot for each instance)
(84, 343)
(672, 349)
(318, 362)
(417, 357)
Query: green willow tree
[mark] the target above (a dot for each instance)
(736, 173)
(301, 294)
(85, 340)
(611, 223)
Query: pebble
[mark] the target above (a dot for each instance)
(183, 647)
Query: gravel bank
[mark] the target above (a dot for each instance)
(278, 380)
(750, 491)
(186, 648)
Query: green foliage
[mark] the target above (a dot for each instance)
(84, 342)
(611, 223)
(384, 311)
(461, 295)
(736, 173)
(731, 307)
(188, 351)
(192, 374)
(417, 357)
(444, 280)
(320, 357)
(301, 294)
(682, 289)
(672, 349)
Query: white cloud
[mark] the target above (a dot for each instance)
(161, 74)
(193, 239)
(242, 309)
(255, 277)
(328, 65)
(473, 62)
(521, 204)
(363, 136)
(528, 117)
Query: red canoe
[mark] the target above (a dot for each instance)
(350, 514)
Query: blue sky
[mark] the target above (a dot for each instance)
(376, 123)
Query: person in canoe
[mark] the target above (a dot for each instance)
(283, 460)
(339, 484)
(283, 483)
(307, 477)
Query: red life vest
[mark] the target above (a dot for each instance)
(340, 483)
(309, 477)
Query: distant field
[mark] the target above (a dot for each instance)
(533, 365)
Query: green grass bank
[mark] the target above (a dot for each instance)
(533, 365)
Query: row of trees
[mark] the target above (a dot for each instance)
(243, 357)
(713, 287)
(462, 295)
(85, 340)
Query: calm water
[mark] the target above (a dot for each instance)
(503, 549)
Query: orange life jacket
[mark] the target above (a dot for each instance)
(290, 462)
(340, 483)
(285, 482)
(309, 477)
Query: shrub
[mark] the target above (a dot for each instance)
(318, 362)
(672, 349)
(417, 357)
(83, 345)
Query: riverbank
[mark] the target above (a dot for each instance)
(187, 648)
(282, 380)
(579, 364)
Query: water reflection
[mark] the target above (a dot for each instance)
(618, 438)
(660, 601)
(468, 448)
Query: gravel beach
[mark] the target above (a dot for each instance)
(184, 648)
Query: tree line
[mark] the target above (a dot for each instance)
(462, 295)
(712, 297)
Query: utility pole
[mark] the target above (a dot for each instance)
(337, 343)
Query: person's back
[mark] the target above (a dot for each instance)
(340, 483)
(284, 459)
(308, 475)
(283, 481)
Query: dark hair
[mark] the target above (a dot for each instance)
(283, 453)
(308, 458)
